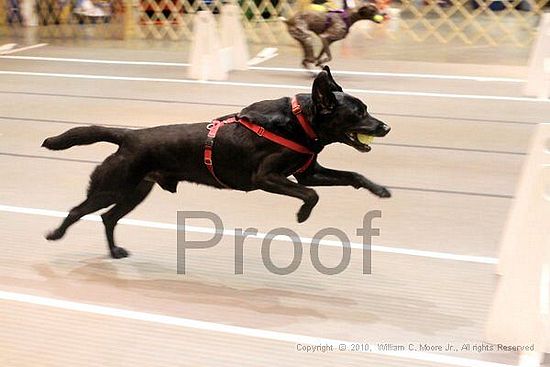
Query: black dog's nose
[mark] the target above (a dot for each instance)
(383, 129)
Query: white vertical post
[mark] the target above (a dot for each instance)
(545, 90)
(233, 37)
(30, 18)
(207, 57)
(540, 51)
(520, 314)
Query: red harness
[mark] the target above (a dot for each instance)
(260, 131)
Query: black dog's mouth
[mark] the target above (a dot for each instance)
(359, 141)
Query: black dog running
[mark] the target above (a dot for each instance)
(243, 159)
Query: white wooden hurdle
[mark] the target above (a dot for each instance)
(233, 37)
(545, 91)
(538, 84)
(520, 314)
(207, 56)
(214, 55)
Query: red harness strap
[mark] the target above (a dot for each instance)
(281, 141)
(297, 111)
(275, 138)
(209, 144)
(260, 131)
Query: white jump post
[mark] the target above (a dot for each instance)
(30, 18)
(520, 314)
(233, 37)
(206, 61)
(537, 79)
(545, 93)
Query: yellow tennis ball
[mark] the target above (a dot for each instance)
(365, 139)
(378, 18)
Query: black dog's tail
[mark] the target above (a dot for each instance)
(84, 136)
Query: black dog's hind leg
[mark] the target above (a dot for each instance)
(123, 207)
(90, 205)
(318, 175)
(110, 182)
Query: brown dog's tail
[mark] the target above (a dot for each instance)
(84, 136)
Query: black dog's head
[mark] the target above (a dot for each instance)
(342, 118)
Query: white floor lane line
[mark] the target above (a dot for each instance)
(401, 75)
(233, 330)
(94, 61)
(280, 69)
(6, 47)
(261, 236)
(272, 86)
(23, 48)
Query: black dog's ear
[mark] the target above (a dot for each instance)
(334, 86)
(322, 94)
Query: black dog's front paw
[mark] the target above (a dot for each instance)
(304, 213)
(307, 207)
(55, 235)
(119, 253)
(382, 192)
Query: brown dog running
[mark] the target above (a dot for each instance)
(329, 26)
(243, 160)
